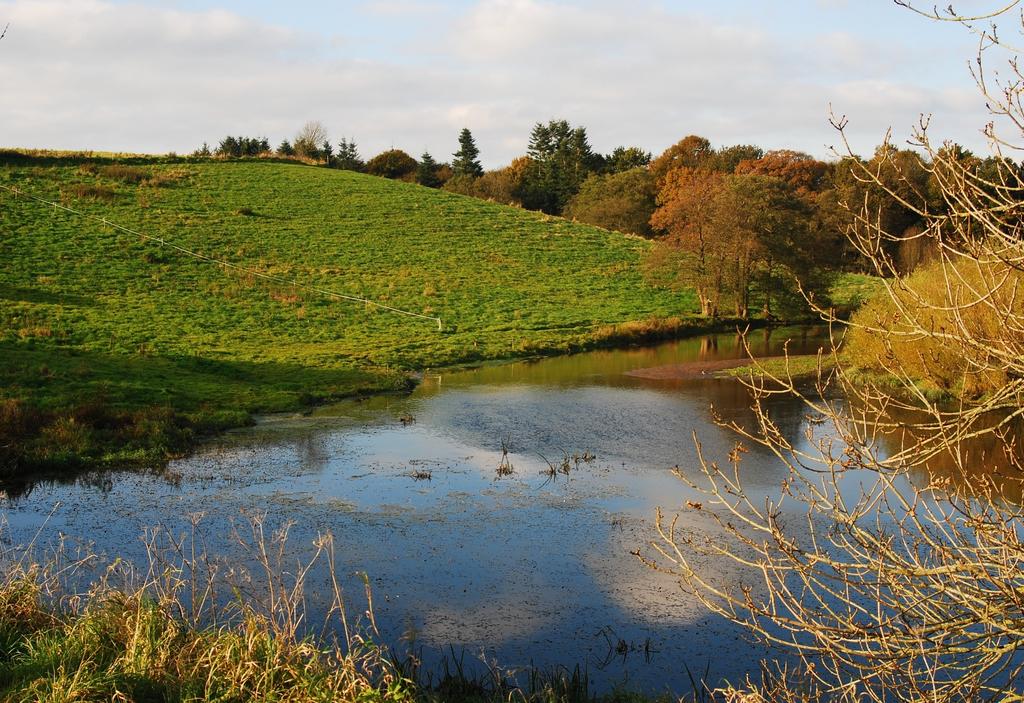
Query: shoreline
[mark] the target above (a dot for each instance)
(691, 370)
(612, 336)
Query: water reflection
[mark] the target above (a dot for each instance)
(521, 569)
(987, 465)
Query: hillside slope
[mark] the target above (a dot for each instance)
(97, 325)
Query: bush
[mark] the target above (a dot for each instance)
(503, 185)
(620, 201)
(394, 163)
(884, 337)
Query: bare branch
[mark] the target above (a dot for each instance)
(904, 578)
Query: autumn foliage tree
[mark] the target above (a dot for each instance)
(805, 175)
(731, 236)
(690, 255)
(690, 152)
(765, 224)
(727, 158)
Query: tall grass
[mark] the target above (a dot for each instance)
(167, 632)
(184, 626)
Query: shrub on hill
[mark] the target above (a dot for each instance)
(503, 185)
(393, 163)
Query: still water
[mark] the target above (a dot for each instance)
(515, 570)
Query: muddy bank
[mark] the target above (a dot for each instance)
(692, 369)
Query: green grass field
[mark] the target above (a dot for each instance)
(98, 327)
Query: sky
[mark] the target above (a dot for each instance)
(166, 75)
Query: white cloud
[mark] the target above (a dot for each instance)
(94, 74)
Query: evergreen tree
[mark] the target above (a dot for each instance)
(561, 159)
(348, 156)
(623, 159)
(328, 153)
(285, 148)
(466, 161)
(229, 146)
(426, 172)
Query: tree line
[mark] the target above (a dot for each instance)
(737, 224)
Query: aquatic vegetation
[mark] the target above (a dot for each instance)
(505, 467)
(567, 464)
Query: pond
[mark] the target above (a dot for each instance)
(519, 569)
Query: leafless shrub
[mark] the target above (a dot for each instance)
(902, 577)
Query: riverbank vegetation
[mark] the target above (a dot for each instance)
(904, 581)
(183, 627)
(906, 333)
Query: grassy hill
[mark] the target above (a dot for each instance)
(114, 349)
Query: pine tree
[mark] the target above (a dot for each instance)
(285, 148)
(466, 162)
(348, 156)
(426, 172)
(561, 159)
(229, 146)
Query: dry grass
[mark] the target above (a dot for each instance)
(124, 173)
(86, 191)
(187, 626)
(167, 633)
(35, 331)
(645, 330)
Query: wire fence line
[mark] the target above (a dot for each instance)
(227, 264)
